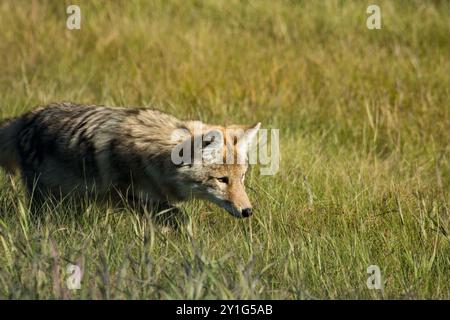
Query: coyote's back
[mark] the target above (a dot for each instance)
(67, 148)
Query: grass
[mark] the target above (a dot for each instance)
(364, 120)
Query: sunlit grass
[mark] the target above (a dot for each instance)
(364, 130)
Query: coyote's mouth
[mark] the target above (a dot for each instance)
(231, 209)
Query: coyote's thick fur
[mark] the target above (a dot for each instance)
(68, 149)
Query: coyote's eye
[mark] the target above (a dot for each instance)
(223, 180)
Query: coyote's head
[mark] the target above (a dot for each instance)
(212, 163)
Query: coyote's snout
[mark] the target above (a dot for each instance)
(142, 154)
(224, 186)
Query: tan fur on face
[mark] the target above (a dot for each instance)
(232, 195)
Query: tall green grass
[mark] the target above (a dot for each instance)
(364, 118)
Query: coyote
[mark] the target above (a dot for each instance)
(67, 149)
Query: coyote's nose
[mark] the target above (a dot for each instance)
(247, 212)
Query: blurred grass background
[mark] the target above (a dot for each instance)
(364, 118)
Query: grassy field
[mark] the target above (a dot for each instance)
(364, 119)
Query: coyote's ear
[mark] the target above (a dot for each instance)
(251, 133)
(248, 137)
(206, 147)
(212, 146)
(211, 138)
(241, 132)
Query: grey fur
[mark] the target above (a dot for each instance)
(69, 149)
